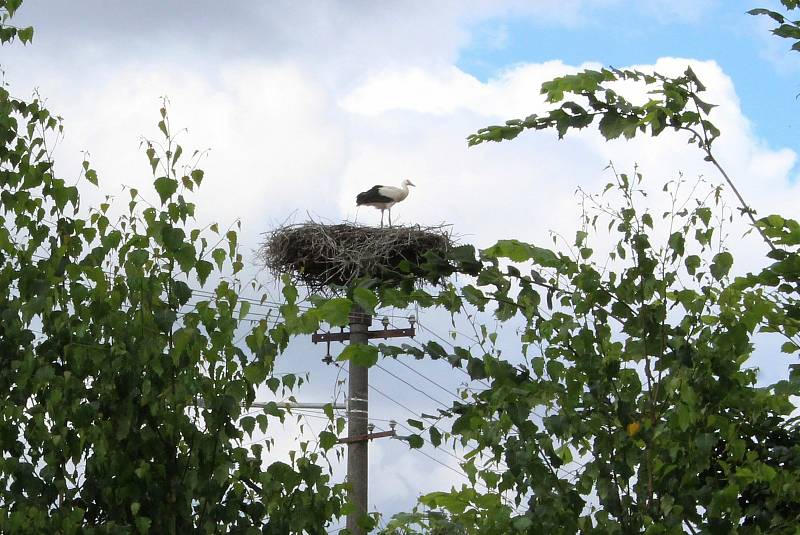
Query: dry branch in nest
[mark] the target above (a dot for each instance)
(323, 256)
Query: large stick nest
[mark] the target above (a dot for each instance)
(324, 256)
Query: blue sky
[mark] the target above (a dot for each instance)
(764, 71)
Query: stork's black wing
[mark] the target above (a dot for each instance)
(372, 195)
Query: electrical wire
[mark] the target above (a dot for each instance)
(457, 471)
(395, 401)
(416, 414)
(448, 342)
(456, 396)
(428, 379)
(445, 405)
(437, 461)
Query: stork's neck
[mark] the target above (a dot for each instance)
(404, 190)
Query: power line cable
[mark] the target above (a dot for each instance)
(460, 472)
(422, 346)
(395, 401)
(412, 386)
(416, 414)
(459, 369)
(428, 379)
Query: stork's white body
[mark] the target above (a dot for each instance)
(384, 197)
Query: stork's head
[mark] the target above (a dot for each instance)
(407, 182)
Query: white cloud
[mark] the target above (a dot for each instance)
(448, 90)
(413, 123)
(415, 89)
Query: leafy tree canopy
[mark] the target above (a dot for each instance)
(629, 405)
(127, 356)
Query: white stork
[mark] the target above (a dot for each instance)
(384, 197)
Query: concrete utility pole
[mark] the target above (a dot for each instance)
(357, 422)
(358, 428)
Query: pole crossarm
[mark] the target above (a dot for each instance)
(368, 436)
(371, 335)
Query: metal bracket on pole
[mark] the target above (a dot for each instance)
(368, 436)
(371, 335)
(359, 318)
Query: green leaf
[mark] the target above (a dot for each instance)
(219, 256)
(203, 269)
(366, 299)
(255, 373)
(721, 265)
(416, 423)
(555, 369)
(360, 354)
(166, 187)
(336, 311)
(677, 243)
(475, 297)
(138, 257)
(436, 436)
(181, 339)
(612, 125)
(518, 251)
(537, 363)
(289, 292)
(391, 297)
(327, 440)
(435, 350)
(692, 262)
(248, 423)
(232, 238)
(25, 34)
(91, 176)
(244, 309)
(143, 524)
(777, 17)
(415, 441)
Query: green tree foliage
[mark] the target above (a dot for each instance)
(122, 386)
(673, 103)
(433, 522)
(630, 405)
(787, 29)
